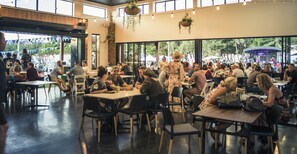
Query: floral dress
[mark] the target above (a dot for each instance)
(175, 71)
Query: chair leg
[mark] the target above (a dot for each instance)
(131, 124)
(156, 121)
(245, 146)
(140, 120)
(161, 140)
(216, 140)
(115, 122)
(189, 143)
(49, 87)
(183, 110)
(278, 147)
(99, 130)
(270, 143)
(170, 146)
(81, 125)
(200, 144)
(148, 122)
(45, 91)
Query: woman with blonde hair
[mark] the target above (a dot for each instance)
(226, 86)
(274, 95)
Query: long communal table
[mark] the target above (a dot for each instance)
(35, 85)
(231, 115)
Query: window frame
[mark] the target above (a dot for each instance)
(102, 8)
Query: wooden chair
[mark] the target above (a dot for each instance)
(173, 130)
(94, 110)
(79, 85)
(207, 88)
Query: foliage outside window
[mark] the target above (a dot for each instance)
(206, 3)
(95, 47)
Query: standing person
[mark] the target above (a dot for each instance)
(3, 122)
(16, 70)
(124, 69)
(14, 56)
(8, 62)
(76, 70)
(163, 78)
(199, 79)
(26, 58)
(175, 71)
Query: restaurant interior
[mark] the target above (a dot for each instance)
(141, 36)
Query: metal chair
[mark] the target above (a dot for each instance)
(273, 115)
(177, 92)
(173, 130)
(93, 109)
(137, 107)
(161, 100)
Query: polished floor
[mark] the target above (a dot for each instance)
(56, 130)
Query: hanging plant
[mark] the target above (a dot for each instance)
(186, 22)
(132, 15)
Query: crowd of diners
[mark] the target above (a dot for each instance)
(169, 75)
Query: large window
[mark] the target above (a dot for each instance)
(95, 49)
(94, 11)
(205, 3)
(163, 6)
(52, 6)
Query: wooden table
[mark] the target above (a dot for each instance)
(127, 76)
(116, 96)
(35, 85)
(232, 115)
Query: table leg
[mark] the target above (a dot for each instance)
(203, 136)
(36, 97)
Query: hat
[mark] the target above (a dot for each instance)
(177, 56)
(148, 72)
(115, 68)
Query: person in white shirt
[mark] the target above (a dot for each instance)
(236, 72)
(85, 67)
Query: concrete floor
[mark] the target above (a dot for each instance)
(55, 130)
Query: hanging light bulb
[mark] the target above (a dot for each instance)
(153, 17)
(244, 3)
(107, 19)
(193, 12)
(95, 20)
(135, 18)
(171, 15)
(218, 7)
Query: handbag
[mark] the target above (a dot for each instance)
(254, 104)
(230, 102)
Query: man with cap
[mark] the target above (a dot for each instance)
(116, 80)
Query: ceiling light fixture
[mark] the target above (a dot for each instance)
(244, 3)
(153, 17)
(171, 15)
(193, 12)
(95, 20)
(218, 7)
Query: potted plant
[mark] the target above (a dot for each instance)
(132, 8)
(132, 16)
(186, 22)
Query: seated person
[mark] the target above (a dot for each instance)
(206, 71)
(151, 87)
(274, 96)
(76, 70)
(15, 70)
(140, 77)
(32, 74)
(58, 70)
(267, 70)
(236, 71)
(99, 84)
(124, 69)
(85, 67)
(199, 79)
(8, 62)
(251, 87)
(116, 80)
(226, 86)
(291, 74)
